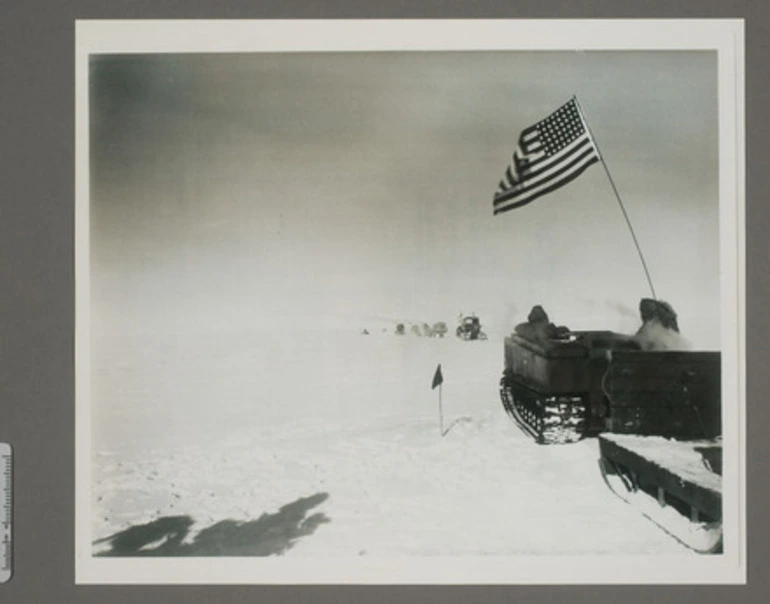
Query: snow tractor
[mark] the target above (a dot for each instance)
(553, 388)
(560, 385)
(657, 415)
(470, 329)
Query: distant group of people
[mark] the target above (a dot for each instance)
(437, 330)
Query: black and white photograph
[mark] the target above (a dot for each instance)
(409, 302)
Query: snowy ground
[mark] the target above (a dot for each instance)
(329, 444)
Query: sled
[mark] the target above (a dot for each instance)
(675, 484)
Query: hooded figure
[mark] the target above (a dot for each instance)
(539, 329)
(658, 310)
(659, 330)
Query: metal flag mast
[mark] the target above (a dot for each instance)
(617, 195)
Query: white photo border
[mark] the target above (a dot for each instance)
(726, 37)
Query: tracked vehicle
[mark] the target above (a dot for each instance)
(657, 414)
(470, 329)
(586, 382)
(552, 387)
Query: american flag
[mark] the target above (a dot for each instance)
(550, 154)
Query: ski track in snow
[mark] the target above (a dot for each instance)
(353, 417)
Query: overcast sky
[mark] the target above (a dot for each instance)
(237, 191)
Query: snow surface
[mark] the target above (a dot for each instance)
(232, 427)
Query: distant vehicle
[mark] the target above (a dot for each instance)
(470, 329)
(400, 329)
(439, 329)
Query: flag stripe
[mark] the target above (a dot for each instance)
(535, 159)
(546, 173)
(562, 177)
(545, 161)
(529, 132)
(546, 166)
(535, 152)
(509, 177)
(504, 207)
(553, 172)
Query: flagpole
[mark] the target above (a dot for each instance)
(617, 196)
(440, 411)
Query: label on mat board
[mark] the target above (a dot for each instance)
(5, 511)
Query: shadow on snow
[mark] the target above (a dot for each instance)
(270, 534)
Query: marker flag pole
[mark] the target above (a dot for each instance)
(440, 413)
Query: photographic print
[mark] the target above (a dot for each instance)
(409, 302)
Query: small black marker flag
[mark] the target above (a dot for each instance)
(438, 379)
